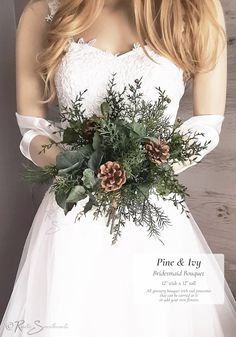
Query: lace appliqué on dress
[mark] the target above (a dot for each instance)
(53, 6)
(83, 62)
(91, 43)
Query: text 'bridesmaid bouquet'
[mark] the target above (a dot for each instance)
(118, 158)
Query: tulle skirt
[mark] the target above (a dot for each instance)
(73, 282)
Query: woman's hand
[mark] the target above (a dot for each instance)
(180, 167)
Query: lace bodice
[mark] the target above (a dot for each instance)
(84, 66)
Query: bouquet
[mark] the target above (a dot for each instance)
(119, 157)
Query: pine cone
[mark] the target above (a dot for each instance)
(157, 151)
(89, 128)
(112, 176)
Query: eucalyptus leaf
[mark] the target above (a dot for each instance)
(139, 129)
(68, 207)
(77, 193)
(65, 171)
(60, 197)
(93, 199)
(105, 108)
(96, 140)
(68, 158)
(88, 206)
(95, 159)
(89, 178)
(86, 150)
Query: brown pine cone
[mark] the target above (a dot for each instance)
(89, 128)
(112, 176)
(157, 151)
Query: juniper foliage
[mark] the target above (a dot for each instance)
(126, 120)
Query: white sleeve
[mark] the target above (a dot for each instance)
(31, 127)
(210, 125)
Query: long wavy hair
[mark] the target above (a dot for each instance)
(185, 31)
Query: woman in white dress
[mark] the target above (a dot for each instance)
(71, 281)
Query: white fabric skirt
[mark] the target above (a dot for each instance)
(73, 282)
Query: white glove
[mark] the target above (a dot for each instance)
(31, 127)
(210, 125)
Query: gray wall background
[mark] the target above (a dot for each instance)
(16, 208)
(212, 183)
(18, 201)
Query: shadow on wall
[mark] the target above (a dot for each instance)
(17, 207)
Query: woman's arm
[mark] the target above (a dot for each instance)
(209, 97)
(209, 89)
(30, 40)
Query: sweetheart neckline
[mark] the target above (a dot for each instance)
(118, 56)
(136, 45)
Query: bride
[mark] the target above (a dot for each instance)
(71, 281)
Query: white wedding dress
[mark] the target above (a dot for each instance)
(72, 281)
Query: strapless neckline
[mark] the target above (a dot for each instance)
(84, 66)
(90, 44)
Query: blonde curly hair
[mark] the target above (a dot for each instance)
(189, 33)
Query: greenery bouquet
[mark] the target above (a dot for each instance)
(117, 158)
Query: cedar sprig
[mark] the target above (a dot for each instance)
(127, 121)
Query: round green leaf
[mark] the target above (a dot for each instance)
(89, 178)
(77, 193)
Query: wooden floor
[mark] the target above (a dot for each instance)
(212, 183)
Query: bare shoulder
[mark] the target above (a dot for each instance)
(220, 12)
(34, 13)
(36, 7)
(32, 26)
